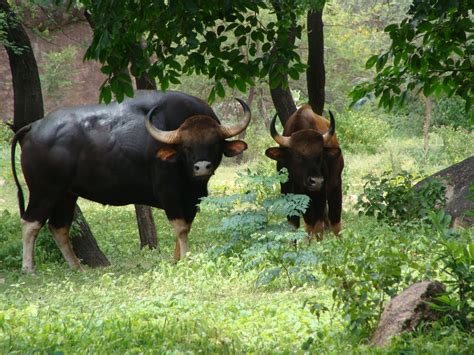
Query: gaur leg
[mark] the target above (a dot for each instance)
(286, 188)
(294, 221)
(314, 217)
(59, 224)
(32, 221)
(181, 230)
(335, 208)
(180, 211)
(29, 232)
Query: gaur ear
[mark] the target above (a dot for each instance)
(275, 153)
(166, 154)
(233, 148)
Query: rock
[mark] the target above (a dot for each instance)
(407, 310)
(457, 178)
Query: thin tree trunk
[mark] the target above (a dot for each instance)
(28, 107)
(84, 244)
(28, 98)
(146, 227)
(242, 135)
(281, 95)
(315, 73)
(146, 224)
(426, 123)
(262, 109)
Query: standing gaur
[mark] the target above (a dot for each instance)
(309, 150)
(157, 149)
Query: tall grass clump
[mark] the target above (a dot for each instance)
(361, 131)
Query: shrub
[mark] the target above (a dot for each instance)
(256, 230)
(457, 143)
(368, 266)
(361, 131)
(6, 134)
(456, 255)
(57, 70)
(11, 244)
(394, 198)
(450, 111)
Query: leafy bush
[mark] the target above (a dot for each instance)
(255, 228)
(6, 134)
(366, 269)
(456, 254)
(258, 140)
(394, 198)
(57, 69)
(11, 244)
(361, 131)
(449, 111)
(457, 143)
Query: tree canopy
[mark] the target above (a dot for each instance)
(231, 42)
(431, 50)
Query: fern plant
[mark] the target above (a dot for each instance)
(256, 230)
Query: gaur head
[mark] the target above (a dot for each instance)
(200, 142)
(303, 154)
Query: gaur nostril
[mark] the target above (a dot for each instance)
(203, 168)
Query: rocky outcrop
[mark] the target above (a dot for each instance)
(407, 310)
(457, 179)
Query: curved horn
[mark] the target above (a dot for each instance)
(232, 131)
(168, 137)
(281, 140)
(332, 128)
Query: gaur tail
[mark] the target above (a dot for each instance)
(18, 135)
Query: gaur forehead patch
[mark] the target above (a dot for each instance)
(307, 142)
(200, 129)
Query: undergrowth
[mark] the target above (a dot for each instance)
(251, 283)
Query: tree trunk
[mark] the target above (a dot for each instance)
(28, 107)
(28, 99)
(242, 135)
(84, 244)
(426, 123)
(146, 224)
(283, 101)
(281, 95)
(146, 227)
(315, 73)
(262, 109)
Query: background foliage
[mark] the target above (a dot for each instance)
(246, 287)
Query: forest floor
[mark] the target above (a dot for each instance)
(145, 302)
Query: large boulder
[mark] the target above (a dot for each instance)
(407, 310)
(457, 179)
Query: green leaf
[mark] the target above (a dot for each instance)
(240, 83)
(371, 61)
(468, 104)
(293, 73)
(128, 89)
(390, 28)
(381, 62)
(105, 94)
(415, 62)
(220, 89)
(266, 47)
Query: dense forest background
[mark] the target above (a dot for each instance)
(245, 287)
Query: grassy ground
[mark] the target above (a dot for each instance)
(145, 302)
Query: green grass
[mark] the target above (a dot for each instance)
(145, 302)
